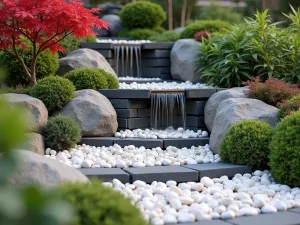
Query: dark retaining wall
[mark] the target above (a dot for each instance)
(155, 57)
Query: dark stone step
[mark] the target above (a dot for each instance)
(148, 143)
(106, 174)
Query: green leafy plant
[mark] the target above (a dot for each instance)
(159, 29)
(28, 205)
(61, 133)
(70, 43)
(247, 143)
(289, 106)
(46, 65)
(142, 34)
(204, 25)
(167, 36)
(88, 78)
(112, 81)
(284, 151)
(96, 204)
(142, 14)
(4, 89)
(224, 60)
(54, 92)
(272, 92)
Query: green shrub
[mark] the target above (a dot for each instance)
(5, 89)
(289, 106)
(61, 133)
(167, 36)
(46, 65)
(159, 29)
(142, 34)
(247, 143)
(54, 92)
(285, 149)
(204, 25)
(112, 81)
(88, 78)
(96, 204)
(142, 15)
(124, 32)
(71, 43)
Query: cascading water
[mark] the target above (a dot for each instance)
(128, 59)
(164, 108)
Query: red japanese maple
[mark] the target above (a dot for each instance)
(44, 23)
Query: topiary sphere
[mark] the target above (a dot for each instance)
(61, 133)
(285, 151)
(289, 106)
(142, 14)
(247, 143)
(142, 34)
(88, 78)
(112, 81)
(99, 205)
(54, 92)
(46, 65)
(203, 25)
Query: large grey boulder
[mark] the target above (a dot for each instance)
(35, 108)
(93, 112)
(34, 143)
(234, 110)
(114, 22)
(215, 100)
(43, 171)
(183, 55)
(83, 58)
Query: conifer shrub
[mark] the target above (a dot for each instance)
(285, 149)
(247, 143)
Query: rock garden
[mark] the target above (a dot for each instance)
(199, 125)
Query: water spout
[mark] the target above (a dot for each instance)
(164, 108)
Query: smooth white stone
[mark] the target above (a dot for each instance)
(186, 200)
(228, 215)
(215, 215)
(184, 186)
(206, 181)
(52, 152)
(166, 162)
(120, 164)
(197, 186)
(176, 190)
(186, 218)
(176, 204)
(248, 211)
(259, 203)
(157, 221)
(220, 209)
(279, 205)
(169, 218)
(86, 164)
(268, 209)
(139, 183)
(138, 164)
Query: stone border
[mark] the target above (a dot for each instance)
(165, 173)
(148, 143)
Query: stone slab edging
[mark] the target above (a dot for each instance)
(148, 143)
(165, 173)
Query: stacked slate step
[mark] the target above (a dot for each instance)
(155, 58)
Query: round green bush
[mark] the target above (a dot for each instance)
(88, 78)
(142, 34)
(142, 14)
(285, 151)
(112, 81)
(168, 36)
(46, 65)
(159, 29)
(99, 205)
(289, 106)
(247, 143)
(61, 133)
(203, 25)
(54, 92)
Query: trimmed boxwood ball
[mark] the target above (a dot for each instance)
(54, 92)
(203, 25)
(112, 81)
(289, 106)
(99, 205)
(61, 133)
(46, 65)
(285, 151)
(142, 34)
(88, 78)
(142, 14)
(247, 143)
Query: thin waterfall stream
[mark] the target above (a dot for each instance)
(128, 59)
(164, 109)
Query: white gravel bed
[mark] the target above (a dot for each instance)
(161, 134)
(164, 85)
(122, 41)
(139, 78)
(115, 156)
(218, 198)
